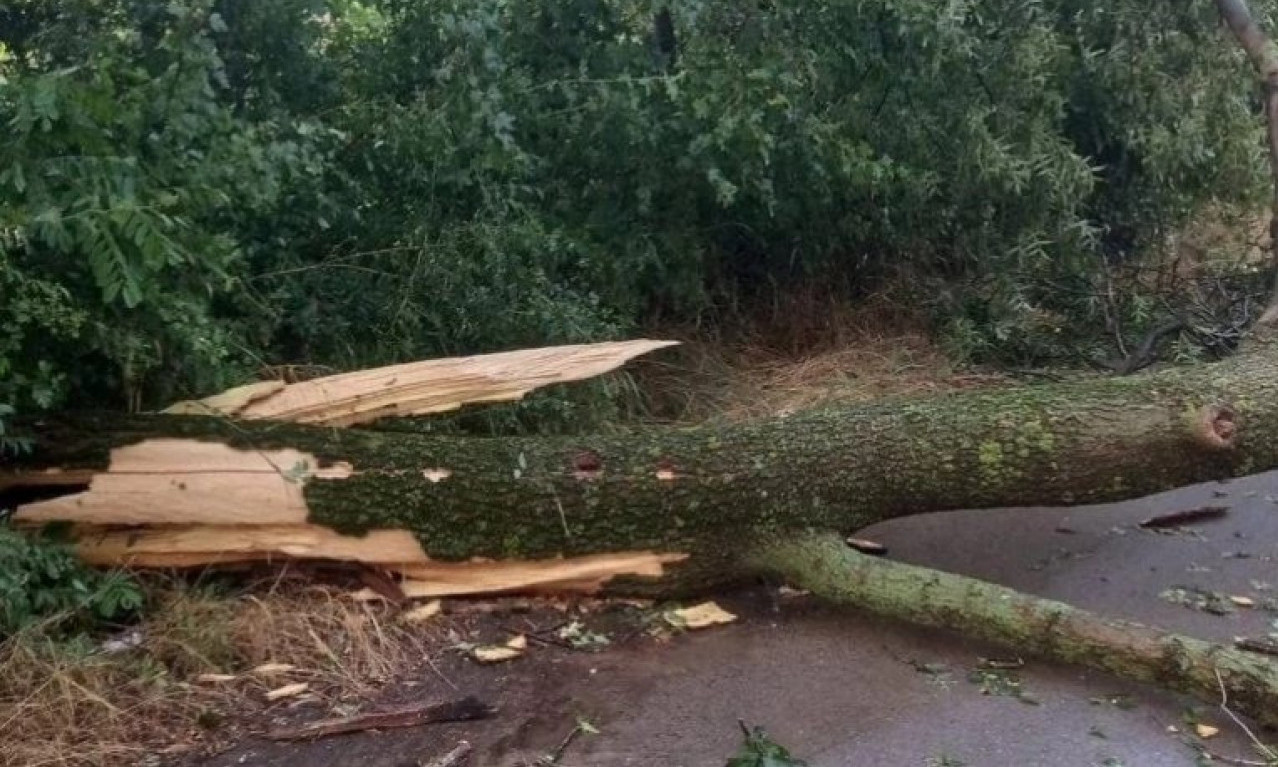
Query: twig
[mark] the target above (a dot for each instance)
(1218, 757)
(540, 638)
(454, 758)
(1266, 751)
(465, 709)
(1147, 352)
(552, 759)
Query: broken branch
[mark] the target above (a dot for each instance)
(465, 709)
(1053, 630)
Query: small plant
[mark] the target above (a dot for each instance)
(759, 750)
(10, 444)
(42, 581)
(1002, 682)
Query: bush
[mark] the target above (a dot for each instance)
(42, 581)
(353, 183)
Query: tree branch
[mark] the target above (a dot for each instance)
(1053, 630)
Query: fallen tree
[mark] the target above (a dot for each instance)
(660, 511)
(188, 486)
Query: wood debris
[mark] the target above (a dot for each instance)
(422, 613)
(464, 709)
(700, 616)
(216, 678)
(288, 691)
(867, 546)
(272, 669)
(1178, 518)
(500, 653)
(454, 758)
(420, 388)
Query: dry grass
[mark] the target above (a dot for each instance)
(68, 703)
(809, 352)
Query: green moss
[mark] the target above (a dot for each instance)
(831, 469)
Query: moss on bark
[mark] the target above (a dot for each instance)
(1026, 624)
(699, 489)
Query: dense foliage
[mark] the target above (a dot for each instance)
(42, 581)
(192, 189)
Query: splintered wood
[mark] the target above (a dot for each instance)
(185, 503)
(188, 503)
(420, 388)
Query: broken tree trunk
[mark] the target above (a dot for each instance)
(661, 510)
(191, 490)
(1042, 628)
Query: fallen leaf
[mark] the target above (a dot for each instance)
(700, 616)
(216, 678)
(271, 669)
(287, 691)
(518, 642)
(1243, 601)
(422, 613)
(1206, 731)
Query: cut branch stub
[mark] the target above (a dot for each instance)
(1216, 427)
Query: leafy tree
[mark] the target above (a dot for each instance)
(191, 189)
(43, 581)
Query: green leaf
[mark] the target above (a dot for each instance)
(758, 750)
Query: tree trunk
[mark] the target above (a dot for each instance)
(694, 491)
(721, 501)
(1264, 59)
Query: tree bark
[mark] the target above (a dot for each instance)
(726, 501)
(698, 490)
(1027, 625)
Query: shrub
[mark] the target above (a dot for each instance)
(42, 581)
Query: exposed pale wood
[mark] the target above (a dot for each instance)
(584, 574)
(394, 550)
(190, 546)
(229, 402)
(176, 481)
(420, 388)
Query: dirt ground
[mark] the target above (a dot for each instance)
(843, 689)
